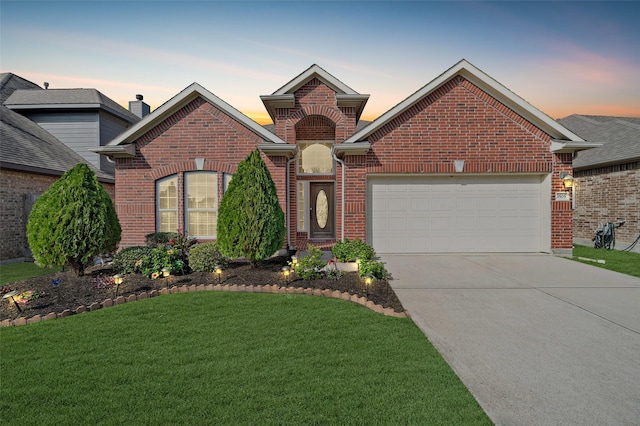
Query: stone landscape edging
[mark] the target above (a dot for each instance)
(107, 303)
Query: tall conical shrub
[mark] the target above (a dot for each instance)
(73, 221)
(250, 220)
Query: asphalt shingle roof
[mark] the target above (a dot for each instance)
(24, 145)
(89, 97)
(620, 138)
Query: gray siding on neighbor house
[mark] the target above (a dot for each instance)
(78, 130)
(110, 127)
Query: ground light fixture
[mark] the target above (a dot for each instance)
(368, 280)
(118, 279)
(358, 261)
(11, 297)
(294, 261)
(166, 272)
(286, 271)
(218, 271)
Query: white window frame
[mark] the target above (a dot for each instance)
(302, 145)
(160, 210)
(192, 209)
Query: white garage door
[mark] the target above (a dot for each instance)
(455, 214)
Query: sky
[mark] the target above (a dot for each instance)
(562, 57)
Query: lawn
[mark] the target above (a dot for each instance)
(21, 271)
(615, 260)
(229, 358)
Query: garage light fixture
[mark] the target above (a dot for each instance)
(567, 179)
(459, 165)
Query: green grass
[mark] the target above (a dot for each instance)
(229, 358)
(615, 260)
(21, 271)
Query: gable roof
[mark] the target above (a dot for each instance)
(565, 140)
(21, 100)
(619, 136)
(284, 96)
(122, 146)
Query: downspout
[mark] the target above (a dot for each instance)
(342, 193)
(288, 198)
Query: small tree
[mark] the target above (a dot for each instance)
(251, 221)
(73, 221)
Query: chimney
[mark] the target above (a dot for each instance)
(139, 107)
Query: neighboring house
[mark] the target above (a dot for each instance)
(81, 118)
(461, 165)
(31, 159)
(607, 178)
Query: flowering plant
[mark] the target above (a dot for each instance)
(5, 289)
(27, 296)
(155, 275)
(104, 281)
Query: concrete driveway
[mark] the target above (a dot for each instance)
(537, 339)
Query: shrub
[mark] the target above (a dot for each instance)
(348, 251)
(204, 257)
(158, 239)
(250, 220)
(129, 260)
(310, 266)
(73, 221)
(373, 267)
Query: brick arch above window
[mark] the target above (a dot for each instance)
(190, 166)
(315, 127)
(333, 114)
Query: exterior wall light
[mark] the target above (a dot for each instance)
(458, 165)
(567, 179)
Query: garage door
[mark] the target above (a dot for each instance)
(455, 214)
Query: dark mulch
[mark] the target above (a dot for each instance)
(72, 291)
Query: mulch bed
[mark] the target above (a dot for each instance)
(72, 292)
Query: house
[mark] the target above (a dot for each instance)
(31, 160)
(461, 165)
(81, 118)
(606, 178)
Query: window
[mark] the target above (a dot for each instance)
(302, 206)
(167, 203)
(227, 180)
(201, 204)
(315, 158)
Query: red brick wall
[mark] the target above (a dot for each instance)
(608, 194)
(458, 122)
(198, 130)
(14, 187)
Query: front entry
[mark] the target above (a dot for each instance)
(322, 210)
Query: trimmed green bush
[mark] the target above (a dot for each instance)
(205, 256)
(348, 251)
(373, 267)
(250, 219)
(73, 221)
(129, 260)
(157, 239)
(310, 266)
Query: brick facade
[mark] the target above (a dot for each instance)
(15, 187)
(458, 120)
(607, 194)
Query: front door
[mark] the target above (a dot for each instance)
(322, 210)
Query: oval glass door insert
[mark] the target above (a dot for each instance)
(322, 209)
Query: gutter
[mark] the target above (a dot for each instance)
(333, 151)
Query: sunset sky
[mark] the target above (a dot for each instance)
(562, 57)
